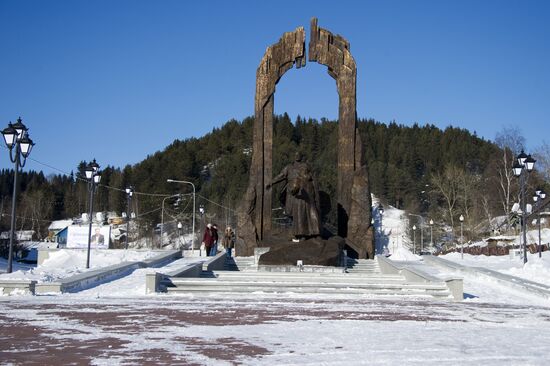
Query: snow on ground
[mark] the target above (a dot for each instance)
(536, 269)
(69, 262)
(483, 290)
(16, 266)
(115, 323)
(270, 330)
(133, 284)
(391, 230)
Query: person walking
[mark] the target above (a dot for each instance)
(214, 249)
(228, 241)
(208, 239)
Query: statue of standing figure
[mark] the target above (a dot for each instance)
(301, 198)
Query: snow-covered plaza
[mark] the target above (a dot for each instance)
(115, 322)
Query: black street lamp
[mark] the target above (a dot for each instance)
(20, 145)
(461, 218)
(129, 194)
(94, 177)
(538, 197)
(380, 214)
(414, 239)
(432, 233)
(202, 212)
(422, 226)
(180, 233)
(524, 164)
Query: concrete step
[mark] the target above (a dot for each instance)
(323, 281)
(214, 282)
(299, 275)
(239, 264)
(311, 290)
(362, 264)
(240, 276)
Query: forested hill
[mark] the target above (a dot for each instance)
(402, 161)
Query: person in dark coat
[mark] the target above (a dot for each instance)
(208, 239)
(214, 249)
(228, 241)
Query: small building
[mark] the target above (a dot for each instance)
(56, 227)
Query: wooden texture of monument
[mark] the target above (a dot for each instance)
(353, 193)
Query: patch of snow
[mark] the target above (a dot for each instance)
(536, 269)
(68, 262)
(391, 232)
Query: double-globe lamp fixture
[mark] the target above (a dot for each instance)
(16, 137)
(524, 163)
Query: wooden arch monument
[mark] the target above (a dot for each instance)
(353, 192)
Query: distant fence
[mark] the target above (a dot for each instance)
(495, 250)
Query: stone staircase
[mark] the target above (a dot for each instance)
(241, 276)
(364, 266)
(239, 264)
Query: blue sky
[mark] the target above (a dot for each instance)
(118, 80)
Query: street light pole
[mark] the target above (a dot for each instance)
(192, 185)
(431, 233)
(16, 138)
(421, 231)
(538, 197)
(162, 217)
(129, 194)
(94, 177)
(524, 164)
(414, 239)
(201, 212)
(461, 218)
(180, 232)
(380, 214)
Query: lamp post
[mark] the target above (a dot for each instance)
(129, 194)
(192, 185)
(94, 177)
(522, 167)
(201, 212)
(421, 231)
(461, 218)
(432, 233)
(380, 214)
(538, 197)
(180, 227)
(20, 145)
(162, 217)
(414, 239)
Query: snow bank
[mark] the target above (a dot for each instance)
(536, 269)
(68, 262)
(391, 230)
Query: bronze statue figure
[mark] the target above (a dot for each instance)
(301, 198)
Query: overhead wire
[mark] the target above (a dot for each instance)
(120, 189)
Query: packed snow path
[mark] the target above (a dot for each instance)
(259, 330)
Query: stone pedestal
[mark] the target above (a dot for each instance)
(314, 251)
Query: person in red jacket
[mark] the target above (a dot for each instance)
(208, 239)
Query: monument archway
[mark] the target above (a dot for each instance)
(353, 193)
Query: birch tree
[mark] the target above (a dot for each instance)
(511, 141)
